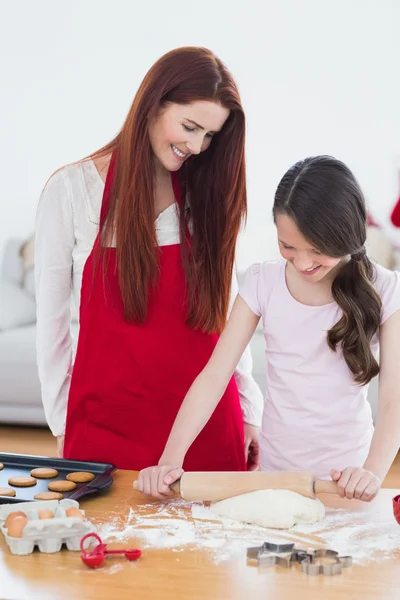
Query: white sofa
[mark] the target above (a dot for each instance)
(19, 384)
(20, 400)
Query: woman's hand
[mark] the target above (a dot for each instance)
(251, 434)
(356, 482)
(155, 481)
(60, 446)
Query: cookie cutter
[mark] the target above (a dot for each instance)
(96, 557)
(269, 555)
(311, 566)
(284, 555)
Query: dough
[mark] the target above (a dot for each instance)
(7, 492)
(48, 496)
(278, 509)
(22, 481)
(80, 477)
(44, 473)
(60, 485)
(1, 466)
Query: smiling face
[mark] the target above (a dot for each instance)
(309, 263)
(181, 130)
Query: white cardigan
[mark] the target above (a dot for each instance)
(67, 224)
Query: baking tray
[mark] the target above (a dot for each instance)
(22, 464)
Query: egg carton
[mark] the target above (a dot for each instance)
(48, 535)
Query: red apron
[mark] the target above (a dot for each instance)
(129, 380)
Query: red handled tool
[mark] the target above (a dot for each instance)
(96, 556)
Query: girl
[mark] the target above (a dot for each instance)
(149, 258)
(326, 311)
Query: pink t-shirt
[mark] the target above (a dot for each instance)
(315, 417)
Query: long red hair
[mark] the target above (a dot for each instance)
(214, 180)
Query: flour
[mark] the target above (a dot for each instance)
(365, 538)
(184, 526)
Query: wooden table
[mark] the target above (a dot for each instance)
(192, 576)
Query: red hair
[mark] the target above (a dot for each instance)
(214, 180)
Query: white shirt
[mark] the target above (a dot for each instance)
(67, 224)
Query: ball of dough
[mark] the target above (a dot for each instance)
(277, 509)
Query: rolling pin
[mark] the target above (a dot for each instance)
(211, 487)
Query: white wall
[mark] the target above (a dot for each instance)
(315, 77)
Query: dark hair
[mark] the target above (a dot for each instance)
(215, 181)
(325, 201)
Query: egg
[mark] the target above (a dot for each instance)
(12, 515)
(45, 513)
(16, 527)
(74, 512)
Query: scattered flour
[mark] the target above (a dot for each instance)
(185, 526)
(364, 537)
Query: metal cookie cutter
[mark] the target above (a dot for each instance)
(311, 566)
(269, 554)
(284, 555)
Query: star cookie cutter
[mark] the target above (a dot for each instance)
(269, 555)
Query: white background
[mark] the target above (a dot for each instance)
(315, 77)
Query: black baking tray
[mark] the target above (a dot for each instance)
(22, 464)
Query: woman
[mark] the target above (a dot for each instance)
(151, 256)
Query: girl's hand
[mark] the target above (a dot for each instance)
(356, 482)
(60, 446)
(155, 481)
(251, 433)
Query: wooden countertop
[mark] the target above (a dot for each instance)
(191, 574)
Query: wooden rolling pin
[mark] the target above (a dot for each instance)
(211, 487)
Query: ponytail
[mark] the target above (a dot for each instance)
(353, 291)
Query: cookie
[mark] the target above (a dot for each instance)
(48, 496)
(44, 473)
(1, 466)
(7, 492)
(80, 477)
(22, 481)
(60, 485)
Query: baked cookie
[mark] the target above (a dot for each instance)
(48, 496)
(60, 485)
(7, 492)
(80, 477)
(44, 473)
(1, 466)
(22, 481)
